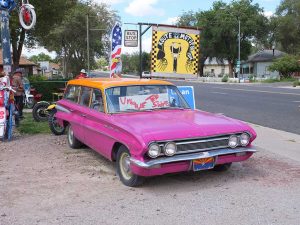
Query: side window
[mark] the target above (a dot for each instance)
(72, 93)
(97, 101)
(85, 96)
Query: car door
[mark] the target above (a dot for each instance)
(98, 132)
(71, 103)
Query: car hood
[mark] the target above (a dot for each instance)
(178, 124)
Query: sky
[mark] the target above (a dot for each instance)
(158, 11)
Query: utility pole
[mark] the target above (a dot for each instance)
(88, 43)
(239, 57)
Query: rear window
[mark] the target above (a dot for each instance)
(72, 93)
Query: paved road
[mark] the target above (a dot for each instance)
(273, 107)
(266, 104)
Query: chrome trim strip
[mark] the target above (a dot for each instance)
(201, 150)
(179, 158)
(202, 137)
(201, 141)
(63, 109)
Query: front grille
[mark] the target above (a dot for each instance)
(200, 144)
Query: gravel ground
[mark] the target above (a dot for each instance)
(43, 181)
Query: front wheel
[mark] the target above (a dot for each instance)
(39, 111)
(27, 16)
(72, 140)
(54, 126)
(30, 103)
(124, 171)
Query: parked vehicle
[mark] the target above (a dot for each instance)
(40, 112)
(146, 74)
(29, 100)
(54, 125)
(148, 129)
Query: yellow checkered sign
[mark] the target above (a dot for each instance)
(175, 50)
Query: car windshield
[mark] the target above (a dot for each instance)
(144, 98)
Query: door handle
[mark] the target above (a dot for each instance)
(83, 115)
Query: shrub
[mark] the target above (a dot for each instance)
(296, 83)
(225, 78)
(286, 65)
(252, 78)
(46, 88)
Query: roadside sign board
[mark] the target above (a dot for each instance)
(188, 94)
(131, 38)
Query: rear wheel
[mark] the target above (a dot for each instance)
(39, 111)
(54, 126)
(72, 140)
(124, 171)
(30, 103)
(222, 167)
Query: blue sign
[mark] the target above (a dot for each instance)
(188, 94)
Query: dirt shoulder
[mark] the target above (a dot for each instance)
(43, 181)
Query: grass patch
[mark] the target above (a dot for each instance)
(272, 80)
(29, 126)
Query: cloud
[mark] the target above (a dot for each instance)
(144, 8)
(109, 2)
(268, 14)
(172, 20)
(146, 45)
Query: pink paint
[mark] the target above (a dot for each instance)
(102, 131)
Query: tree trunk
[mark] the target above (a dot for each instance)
(201, 65)
(231, 67)
(17, 47)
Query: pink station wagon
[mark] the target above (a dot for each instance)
(148, 128)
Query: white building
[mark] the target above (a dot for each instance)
(215, 68)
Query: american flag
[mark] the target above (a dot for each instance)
(116, 48)
(5, 41)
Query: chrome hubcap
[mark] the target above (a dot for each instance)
(125, 166)
(70, 136)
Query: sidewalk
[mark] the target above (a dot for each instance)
(276, 141)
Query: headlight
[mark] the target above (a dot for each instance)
(233, 141)
(244, 139)
(170, 149)
(154, 150)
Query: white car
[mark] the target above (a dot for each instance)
(146, 74)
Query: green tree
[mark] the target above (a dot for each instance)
(48, 16)
(41, 57)
(69, 39)
(131, 62)
(286, 65)
(288, 26)
(101, 63)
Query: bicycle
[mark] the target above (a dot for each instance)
(27, 15)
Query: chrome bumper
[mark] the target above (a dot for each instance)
(187, 157)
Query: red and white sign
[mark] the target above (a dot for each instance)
(143, 102)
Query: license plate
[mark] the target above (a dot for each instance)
(203, 164)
